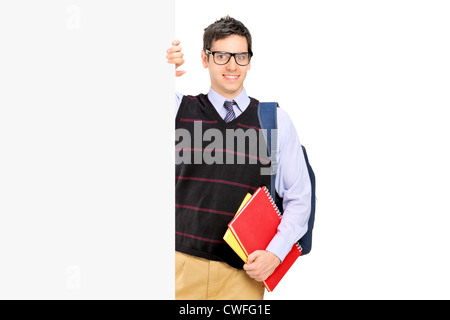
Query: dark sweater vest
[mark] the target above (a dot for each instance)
(209, 194)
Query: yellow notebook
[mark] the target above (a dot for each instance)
(231, 240)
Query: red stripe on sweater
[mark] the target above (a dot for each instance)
(198, 238)
(218, 181)
(195, 120)
(263, 161)
(248, 127)
(205, 210)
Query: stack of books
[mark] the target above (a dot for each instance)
(253, 228)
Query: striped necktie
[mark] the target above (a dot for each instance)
(230, 116)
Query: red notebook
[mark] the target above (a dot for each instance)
(254, 228)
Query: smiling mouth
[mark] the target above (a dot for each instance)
(231, 77)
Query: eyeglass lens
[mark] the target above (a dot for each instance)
(222, 58)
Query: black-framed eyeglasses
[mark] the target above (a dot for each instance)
(221, 57)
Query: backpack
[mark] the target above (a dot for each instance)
(267, 114)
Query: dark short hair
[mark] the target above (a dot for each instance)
(223, 28)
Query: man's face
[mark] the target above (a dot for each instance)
(228, 79)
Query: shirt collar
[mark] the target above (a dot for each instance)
(242, 100)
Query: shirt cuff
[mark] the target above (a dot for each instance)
(279, 247)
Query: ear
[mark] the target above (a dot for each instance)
(205, 60)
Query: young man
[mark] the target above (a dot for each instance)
(209, 194)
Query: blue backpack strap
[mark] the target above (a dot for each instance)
(267, 114)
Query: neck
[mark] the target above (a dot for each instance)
(228, 95)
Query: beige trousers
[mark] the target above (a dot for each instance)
(201, 279)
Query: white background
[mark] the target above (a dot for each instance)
(367, 85)
(83, 209)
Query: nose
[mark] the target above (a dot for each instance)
(232, 65)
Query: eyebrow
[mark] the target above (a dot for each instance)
(228, 51)
(211, 48)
